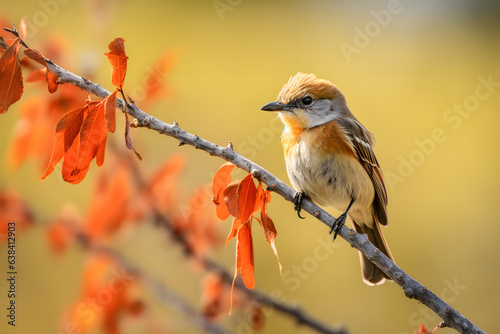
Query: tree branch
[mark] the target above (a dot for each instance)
(164, 294)
(411, 287)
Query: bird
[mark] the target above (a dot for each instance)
(330, 160)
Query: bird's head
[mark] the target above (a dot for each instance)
(306, 102)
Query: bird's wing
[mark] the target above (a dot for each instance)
(362, 144)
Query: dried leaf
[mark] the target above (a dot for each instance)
(244, 255)
(222, 178)
(67, 130)
(220, 191)
(111, 112)
(80, 137)
(118, 60)
(11, 79)
(230, 198)
(50, 76)
(128, 140)
(246, 198)
(268, 226)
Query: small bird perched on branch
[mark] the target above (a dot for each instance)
(330, 159)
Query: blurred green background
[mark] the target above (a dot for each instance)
(406, 69)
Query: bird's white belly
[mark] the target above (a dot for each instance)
(331, 180)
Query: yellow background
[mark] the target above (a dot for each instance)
(407, 72)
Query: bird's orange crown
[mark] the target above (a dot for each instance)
(302, 83)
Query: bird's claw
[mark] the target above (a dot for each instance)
(297, 201)
(337, 225)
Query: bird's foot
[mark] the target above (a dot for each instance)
(297, 201)
(337, 225)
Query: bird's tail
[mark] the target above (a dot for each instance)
(373, 275)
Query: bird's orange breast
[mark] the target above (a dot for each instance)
(325, 139)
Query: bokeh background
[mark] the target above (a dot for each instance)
(406, 69)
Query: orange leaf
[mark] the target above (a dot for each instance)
(234, 230)
(246, 198)
(258, 197)
(219, 187)
(91, 134)
(228, 201)
(67, 130)
(110, 102)
(80, 136)
(222, 178)
(11, 79)
(118, 60)
(49, 75)
(244, 255)
(69, 171)
(52, 81)
(268, 225)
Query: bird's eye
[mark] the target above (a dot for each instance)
(307, 100)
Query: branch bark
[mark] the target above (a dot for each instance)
(412, 288)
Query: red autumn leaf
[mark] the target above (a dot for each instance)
(91, 134)
(219, 186)
(229, 200)
(52, 81)
(222, 178)
(118, 60)
(49, 75)
(267, 223)
(108, 207)
(110, 108)
(66, 131)
(234, 229)
(80, 137)
(239, 197)
(268, 226)
(11, 79)
(246, 198)
(244, 255)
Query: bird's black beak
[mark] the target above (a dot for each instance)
(277, 106)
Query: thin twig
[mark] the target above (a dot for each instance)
(411, 287)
